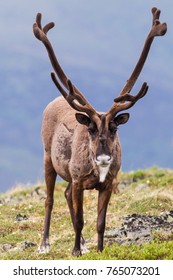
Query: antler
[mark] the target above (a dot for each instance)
(74, 94)
(74, 97)
(157, 29)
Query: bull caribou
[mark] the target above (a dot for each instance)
(80, 144)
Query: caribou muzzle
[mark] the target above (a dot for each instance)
(103, 160)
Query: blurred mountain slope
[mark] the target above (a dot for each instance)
(98, 44)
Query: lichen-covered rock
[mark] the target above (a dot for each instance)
(137, 228)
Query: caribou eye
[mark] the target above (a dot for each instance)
(112, 128)
(92, 129)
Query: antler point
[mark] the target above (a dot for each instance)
(38, 17)
(153, 10)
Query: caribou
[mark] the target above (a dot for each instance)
(81, 145)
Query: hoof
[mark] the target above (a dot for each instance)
(76, 253)
(44, 248)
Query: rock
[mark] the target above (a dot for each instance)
(27, 244)
(18, 247)
(5, 247)
(38, 192)
(2, 201)
(137, 228)
(20, 217)
(125, 183)
(11, 200)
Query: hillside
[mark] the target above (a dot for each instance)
(139, 220)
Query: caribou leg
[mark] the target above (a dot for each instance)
(50, 177)
(103, 200)
(68, 196)
(75, 202)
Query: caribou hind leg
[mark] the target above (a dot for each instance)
(50, 178)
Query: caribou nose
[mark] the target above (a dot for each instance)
(103, 160)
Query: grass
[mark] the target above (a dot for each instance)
(147, 192)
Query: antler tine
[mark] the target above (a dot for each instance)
(58, 85)
(129, 97)
(41, 34)
(128, 101)
(38, 20)
(72, 95)
(82, 104)
(156, 14)
(157, 29)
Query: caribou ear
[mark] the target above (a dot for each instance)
(121, 119)
(83, 119)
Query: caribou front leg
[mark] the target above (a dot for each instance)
(77, 217)
(103, 200)
(68, 196)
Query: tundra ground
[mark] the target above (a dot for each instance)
(139, 220)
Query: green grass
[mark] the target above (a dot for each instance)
(149, 192)
(149, 251)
